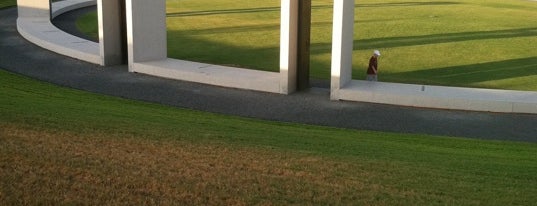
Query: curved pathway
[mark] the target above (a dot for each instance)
(311, 107)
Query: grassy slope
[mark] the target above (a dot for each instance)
(54, 141)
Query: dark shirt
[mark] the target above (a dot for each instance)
(373, 67)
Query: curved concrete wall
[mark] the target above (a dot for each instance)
(61, 7)
(33, 23)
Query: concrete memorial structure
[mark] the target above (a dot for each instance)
(343, 87)
(134, 32)
(146, 26)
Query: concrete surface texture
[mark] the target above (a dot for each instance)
(311, 107)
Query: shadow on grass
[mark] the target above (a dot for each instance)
(277, 9)
(267, 58)
(188, 47)
(442, 38)
(466, 75)
(399, 4)
(392, 42)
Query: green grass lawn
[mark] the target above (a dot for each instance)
(63, 146)
(6, 3)
(466, 43)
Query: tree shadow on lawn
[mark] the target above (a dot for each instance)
(411, 3)
(391, 42)
(235, 11)
(277, 9)
(193, 48)
(267, 58)
(467, 75)
(185, 46)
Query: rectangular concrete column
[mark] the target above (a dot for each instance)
(342, 45)
(111, 31)
(34, 8)
(304, 37)
(288, 46)
(146, 31)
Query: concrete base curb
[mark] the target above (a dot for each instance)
(489, 100)
(43, 33)
(211, 74)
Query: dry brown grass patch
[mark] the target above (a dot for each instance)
(44, 167)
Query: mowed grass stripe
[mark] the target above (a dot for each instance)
(60, 145)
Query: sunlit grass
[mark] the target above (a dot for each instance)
(62, 146)
(418, 37)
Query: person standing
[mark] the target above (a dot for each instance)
(372, 70)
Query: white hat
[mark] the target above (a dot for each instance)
(376, 52)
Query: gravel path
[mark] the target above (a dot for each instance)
(311, 107)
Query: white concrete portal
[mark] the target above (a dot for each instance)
(344, 88)
(146, 34)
